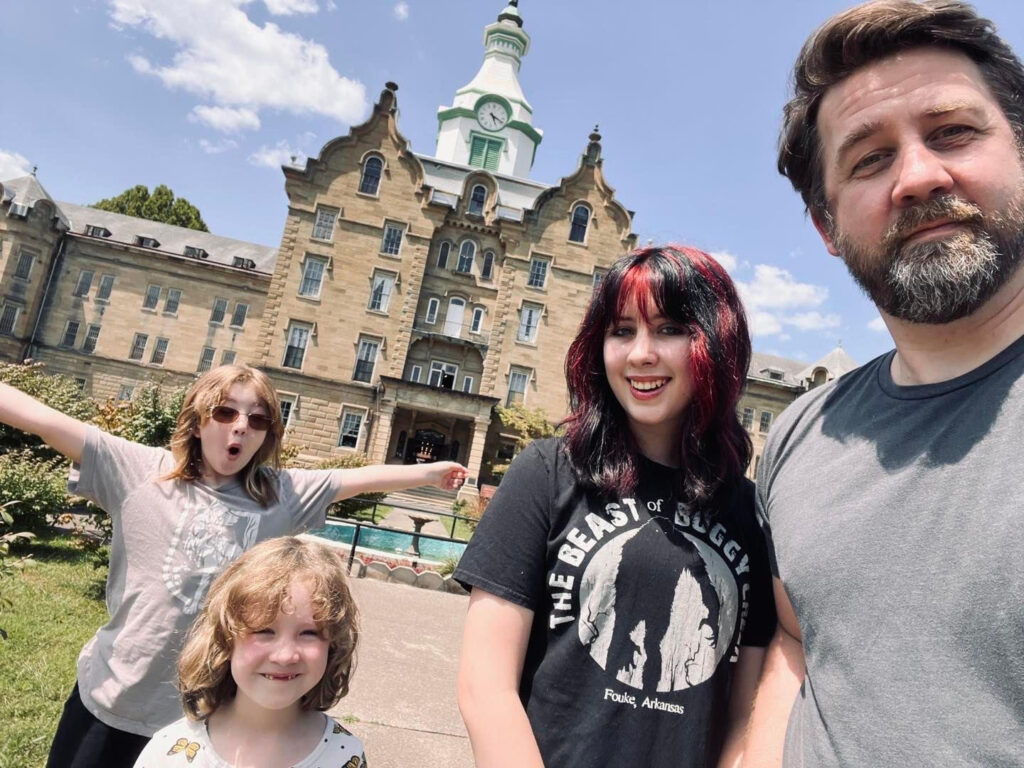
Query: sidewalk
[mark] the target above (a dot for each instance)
(402, 700)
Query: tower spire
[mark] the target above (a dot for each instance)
(490, 122)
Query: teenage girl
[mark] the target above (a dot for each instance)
(272, 649)
(179, 517)
(621, 593)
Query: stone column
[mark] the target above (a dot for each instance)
(471, 488)
(377, 450)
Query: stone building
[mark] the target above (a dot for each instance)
(410, 294)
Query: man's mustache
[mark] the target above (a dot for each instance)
(949, 208)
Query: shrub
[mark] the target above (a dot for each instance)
(40, 485)
(149, 417)
(56, 391)
(349, 507)
(7, 567)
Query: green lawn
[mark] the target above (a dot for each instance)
(58, 605)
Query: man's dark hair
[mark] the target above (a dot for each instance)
(874, 31)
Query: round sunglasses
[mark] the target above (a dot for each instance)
(225, 414)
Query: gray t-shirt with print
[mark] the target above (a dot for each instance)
(897, 518)
(170, 541)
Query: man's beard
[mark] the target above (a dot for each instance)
(942, 280)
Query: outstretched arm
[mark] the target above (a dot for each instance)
(58, 430)
(396, 477)
(493, 649)
(781, 679)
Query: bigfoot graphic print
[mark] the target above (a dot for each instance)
(640, 606)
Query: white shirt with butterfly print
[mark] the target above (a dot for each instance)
(186, 744)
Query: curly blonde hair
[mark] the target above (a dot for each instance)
(211, 390)
(248, 596)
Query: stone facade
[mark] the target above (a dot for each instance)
(409, 294)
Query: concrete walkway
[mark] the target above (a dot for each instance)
(402, 699)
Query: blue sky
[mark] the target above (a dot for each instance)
(210, 96)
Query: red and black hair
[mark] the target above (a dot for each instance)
(690, 288)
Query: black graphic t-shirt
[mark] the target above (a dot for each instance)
(639, 608)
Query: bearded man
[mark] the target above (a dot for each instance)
(893, 497)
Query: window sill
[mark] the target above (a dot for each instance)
(308, 299)
(368, 196)
(217, 323)
(378, 312)
(522, 343)
(149, 310)
(393, 256)
(165, 313)
(538, 289)
(316, 239)
(576, 243)
(237, 327)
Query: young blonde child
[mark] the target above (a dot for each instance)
(271, 651)
(179, 517)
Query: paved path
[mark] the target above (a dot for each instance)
(402, 697)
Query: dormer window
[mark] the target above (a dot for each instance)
(93, 231)
(775, 374)
(147, 242)
(477, 198)
(241, 262)
(580, 220)
(193, 252)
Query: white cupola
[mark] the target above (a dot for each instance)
(490, 123)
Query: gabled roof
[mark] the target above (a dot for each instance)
(762, 365)
(837, 362)
(124, 229)
(26, 191)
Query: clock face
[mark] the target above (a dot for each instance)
(492, 116)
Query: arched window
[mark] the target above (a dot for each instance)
(370, 181)
(580, 220)
(466, 254)
(477, 198)
(488, 268)
(442, 255)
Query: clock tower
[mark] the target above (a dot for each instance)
(490, 123)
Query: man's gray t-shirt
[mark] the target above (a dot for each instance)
(897, 518)
(170, 541)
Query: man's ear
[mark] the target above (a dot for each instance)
(818, 217)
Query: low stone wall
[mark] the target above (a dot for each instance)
(403, 574)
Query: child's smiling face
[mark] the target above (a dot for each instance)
(276, 666)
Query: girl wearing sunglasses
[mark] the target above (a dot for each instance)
(179, 517)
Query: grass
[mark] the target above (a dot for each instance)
(57, 606)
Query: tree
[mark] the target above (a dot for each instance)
(60, 392)
(529, 424)
(159, 206)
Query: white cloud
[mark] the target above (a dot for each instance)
(401, 11)
(878, 324)
(776, 300)
(812, 321)
(289, 7)
(226, 119)
(278, 155)
(13, 165)
(726, 259)
(775, 288)
(216, 147)
(232, 62)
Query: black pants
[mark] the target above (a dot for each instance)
(82, 741)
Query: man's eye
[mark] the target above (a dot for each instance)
(952, 133)
(868, 163)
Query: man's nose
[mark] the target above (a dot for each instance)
(922, 175)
